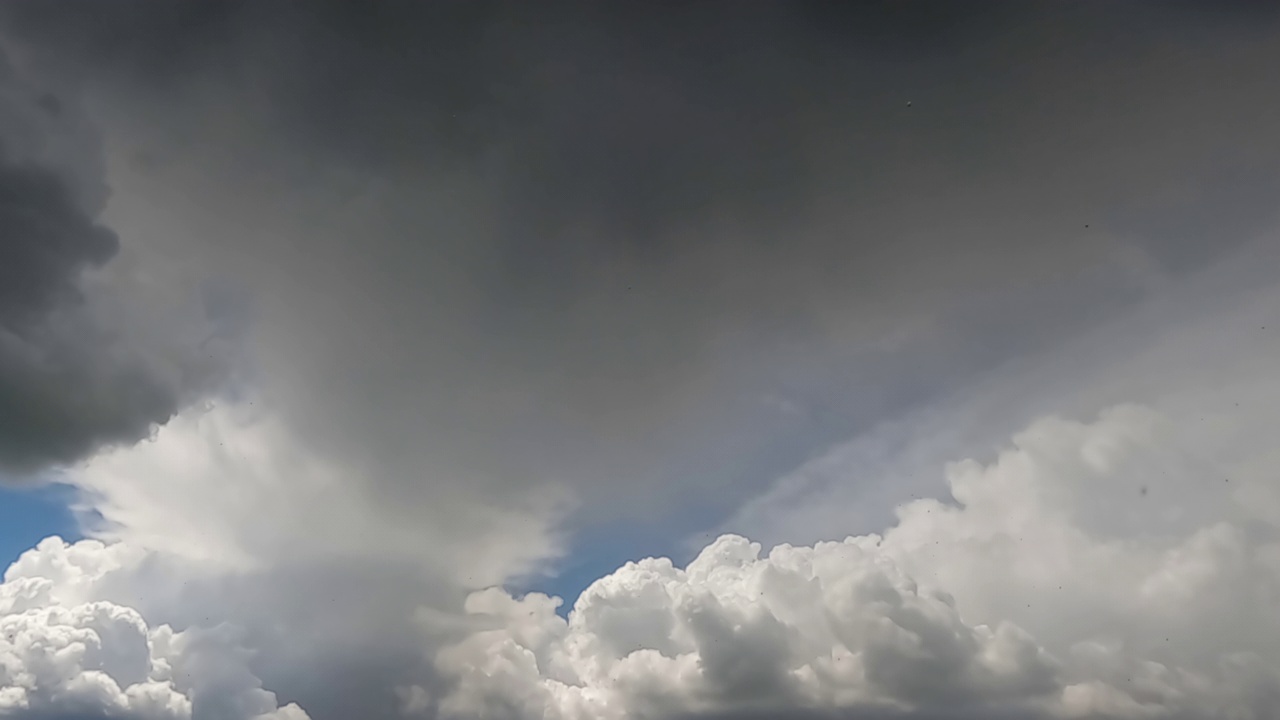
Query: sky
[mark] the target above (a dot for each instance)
(652, 361)
(28, 515)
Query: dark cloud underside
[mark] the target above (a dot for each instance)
(71, 379)
(576, 232)
(51, 405)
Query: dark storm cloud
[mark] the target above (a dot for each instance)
(582, 241)
(68, 383)
(48, 242)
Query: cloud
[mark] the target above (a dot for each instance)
(225, 514)
(476, 266)
(198, 488)
(98, 659)
(75, 373)
(1092, 570)
(52, 241)
(1190, 351)
(564, 247)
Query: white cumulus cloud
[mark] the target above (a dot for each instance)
(1099, 569)
(63, 657)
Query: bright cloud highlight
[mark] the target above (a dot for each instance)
(1091, 570)
(61, 658)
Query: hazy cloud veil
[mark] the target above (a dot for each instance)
(928, 349)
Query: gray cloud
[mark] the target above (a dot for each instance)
(50, 242)
(574, 234)
(649, 256)
(72, 378)
(993, 713)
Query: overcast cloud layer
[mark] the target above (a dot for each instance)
(349, 324)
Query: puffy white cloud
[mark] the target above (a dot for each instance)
(62, 656)
(229, 485)
(56, 572)
(225, 514)
(1101, 569)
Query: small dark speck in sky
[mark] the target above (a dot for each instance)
(1143, 491)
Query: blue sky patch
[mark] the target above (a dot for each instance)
(28, 515)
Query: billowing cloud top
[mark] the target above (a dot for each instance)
(351, 328)
(1027, 597)
(64, 657)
